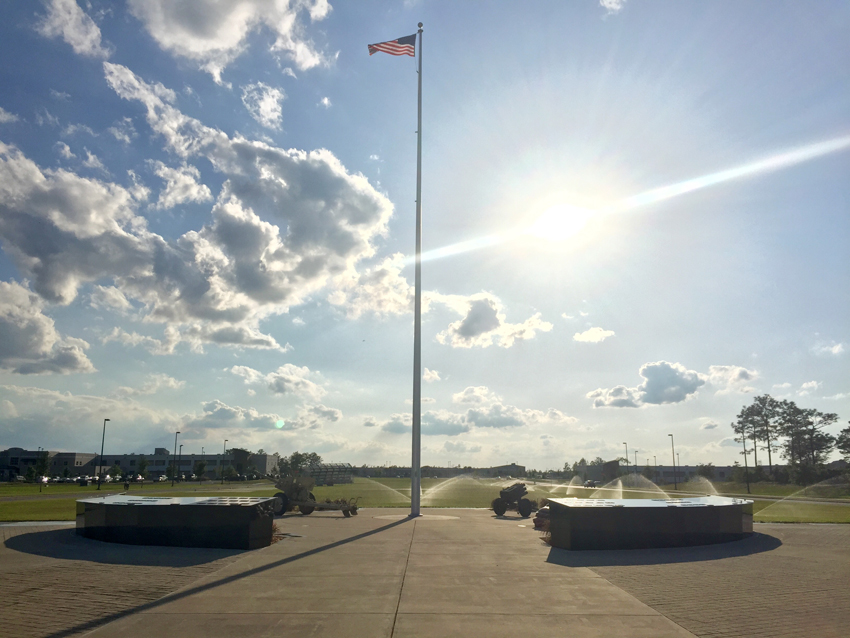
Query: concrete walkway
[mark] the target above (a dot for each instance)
(451, 572)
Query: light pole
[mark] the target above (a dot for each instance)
(655, 464)
(173, 459)
(746, 467)
(679, 463)
(221, 464)
(102, 441)
(179, 464)
(627, 457)
(673, 447)
(636, 451)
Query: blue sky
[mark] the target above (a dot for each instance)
(206, 221)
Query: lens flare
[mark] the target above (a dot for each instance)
(564, 220)
(280, 423)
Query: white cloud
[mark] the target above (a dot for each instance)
(65, 19)
(593, 335)
(43, 116)
(430, 376)
(152, 384)
(612, 6)
(782, 386)
(566, 316)
(64, 150)
(709, 425)
(60, 95)
(264, 104)
(380, 290)
(664, 382)
(460, 447)
(288, 379)
(162, 346)
(213, 34)
(832, 349)
(728, 379)
(475, 394)
(92, 161)
(485, 323)
(181, 185)
(808, 387)
(123, 130)
(325, 102)
(29, 342)
(6, 117)
(73, 129)
(109, 297)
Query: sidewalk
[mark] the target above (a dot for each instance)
(451, 572)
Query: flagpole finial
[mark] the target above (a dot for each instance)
(420, 26)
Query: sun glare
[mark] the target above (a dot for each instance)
(560, 222)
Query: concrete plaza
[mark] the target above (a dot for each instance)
(451, 572)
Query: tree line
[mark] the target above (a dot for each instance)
(797, 434)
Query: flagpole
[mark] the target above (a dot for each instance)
(415, 470)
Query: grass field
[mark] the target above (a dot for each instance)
(386, 492)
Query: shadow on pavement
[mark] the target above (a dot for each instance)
(755, 544)
(65, 544)
(191, 591)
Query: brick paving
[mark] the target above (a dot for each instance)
(798, 588)
(788, 580)
(52, 585)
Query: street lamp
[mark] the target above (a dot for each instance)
(102, 441)
(173, 458)
(673, 447)
(221, 463)
(636, 451)
(654, 463)
(179, 464)
(627, 457)
(746, 467)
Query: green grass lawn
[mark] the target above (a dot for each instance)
(385, 492)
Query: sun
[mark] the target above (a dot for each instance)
(560, 222)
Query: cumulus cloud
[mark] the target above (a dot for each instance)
(808, 387)
(93, 161)
(264, 104)
(29, 342)
(213, 34)
(732, 379)
(217, 283)
(288, 379)
(109, 298)
(325, 102)
(152, 384)
(153, 345)
(830, 349)
(487, 411)
(181, 185)
(67, 20)
(64, 150)
(6, 117)
(380, 290)
(430, 376)
(709, 425)
(461, 447)
(216, 414)
(593, 335)
(475, 394)
(123, 130)
(484, 323)
(612, 6)
(664, 382)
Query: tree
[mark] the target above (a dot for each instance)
(706, 471)
(296, 462)
(228, 472)
(30, 474)
(806, 445)
(66, 472)
(169, 471)
(842, 442)
(200, 468)
(115, 470)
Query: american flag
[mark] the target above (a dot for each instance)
(402, 46)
